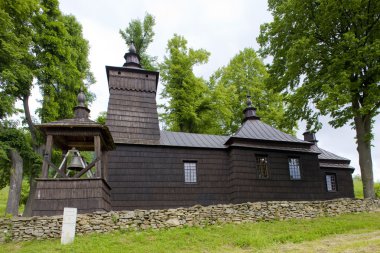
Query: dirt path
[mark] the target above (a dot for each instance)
(348, 243)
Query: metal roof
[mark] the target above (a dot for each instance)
(326, 155)
(336, 166)
(192, 140)
(255, 129)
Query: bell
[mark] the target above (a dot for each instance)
(76, 162)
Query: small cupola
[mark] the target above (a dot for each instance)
(249, 111)
(309, 136)
(132, 59)
(81, 111)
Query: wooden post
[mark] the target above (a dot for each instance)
(105, 164)
(98, 153)
(47, 156)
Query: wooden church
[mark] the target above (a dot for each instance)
(139, 166)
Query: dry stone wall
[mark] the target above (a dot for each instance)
(24, 229)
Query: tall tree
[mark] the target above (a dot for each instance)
(141, 34)
(188, 101)
(326, 60)
(49, 51)
(245, 74)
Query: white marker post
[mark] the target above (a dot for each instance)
(68, 225)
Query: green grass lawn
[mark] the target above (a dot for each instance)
(248, 237)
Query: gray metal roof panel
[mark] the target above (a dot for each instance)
(192, 140)
(258, 130)
(336, 166)
(326, 155)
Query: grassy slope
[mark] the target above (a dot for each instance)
(226, 238)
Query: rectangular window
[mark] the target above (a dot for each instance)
(294, 168)
(262, 166)
(331, 182)
(190, 169)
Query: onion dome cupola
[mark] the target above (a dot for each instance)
(249, 111)
(132, 59)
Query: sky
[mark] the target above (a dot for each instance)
(221, 27)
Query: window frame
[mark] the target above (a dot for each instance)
(259, 166)
(335, 182)
(193, 172)
(292, 167)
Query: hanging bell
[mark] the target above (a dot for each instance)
(76, 162)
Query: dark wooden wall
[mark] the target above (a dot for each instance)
(248, 187)
(344, 183)
(87, 195)
(152, 177)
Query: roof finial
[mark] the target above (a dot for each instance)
(249, 102)
(81, 98)
(250, 111)
(132, 59)
(81, 111)
(132, 48)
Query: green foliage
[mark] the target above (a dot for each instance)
(12, 137)
(102, 117)
(325, 57)
(62, 54)
(141, 34)
(245, 74)
(248, 237)
(16, 66)
(188, 108)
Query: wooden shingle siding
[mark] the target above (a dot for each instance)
(154, 176)
(88, 195)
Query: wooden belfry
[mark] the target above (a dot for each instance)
(74, 183)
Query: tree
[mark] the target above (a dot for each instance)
(245, 74)
(48, 50)
(326, 60)
(141, 34)
(188, 103)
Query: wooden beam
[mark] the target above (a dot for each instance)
(98, 153)
(88, 167)
(47, 156)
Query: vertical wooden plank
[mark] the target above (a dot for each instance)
(98, 153)
(47, 156)
(105, 164)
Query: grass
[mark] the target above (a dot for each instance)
(358, 187)
(248, 237)
(3, 200)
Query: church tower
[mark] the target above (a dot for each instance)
(132, 110)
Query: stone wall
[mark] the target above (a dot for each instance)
(24, 229)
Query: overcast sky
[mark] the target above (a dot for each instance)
(219, 26)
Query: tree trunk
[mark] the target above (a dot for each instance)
(37, 148)
(29, 121)
(363, 131)
(15, 183)
(29, 203)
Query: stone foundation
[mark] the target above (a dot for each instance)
(24, 229)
